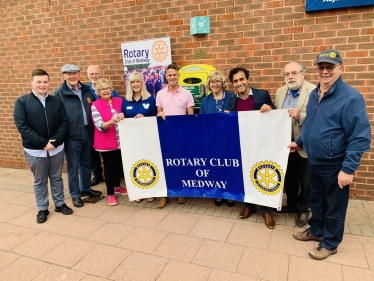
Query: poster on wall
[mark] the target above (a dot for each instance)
(149, 58)
(319, 5)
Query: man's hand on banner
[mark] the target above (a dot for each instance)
(293, 147)
(162, 114)
(294, 113)
(265, 108)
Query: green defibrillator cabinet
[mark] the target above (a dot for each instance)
(193, 77)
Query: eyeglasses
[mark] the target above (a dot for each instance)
(293, 73)
(215, 82)
(104, 89)
(329, 68)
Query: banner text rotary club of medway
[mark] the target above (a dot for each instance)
(240, 156)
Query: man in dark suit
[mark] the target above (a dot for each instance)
(249, 98)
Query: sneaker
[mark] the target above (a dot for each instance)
(112, 201)
(65, 210)
(321, 253)
(120, 190)
(41, 217)
(306, 236)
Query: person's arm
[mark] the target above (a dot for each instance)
(268, 104)
(190, 110)
(59, 136)
(99, 122)
(160, 112)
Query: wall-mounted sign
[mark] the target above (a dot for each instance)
(150, 58)
(318, 5)
(199, 25)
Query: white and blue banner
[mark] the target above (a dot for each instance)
(319, 5)
(240, 156)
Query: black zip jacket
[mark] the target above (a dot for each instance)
(38, 124)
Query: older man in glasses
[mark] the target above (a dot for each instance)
(294, 97)
(335, 134)
(76, 98)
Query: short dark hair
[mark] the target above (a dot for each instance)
(236, 70)
(38, 72)
(172, 66)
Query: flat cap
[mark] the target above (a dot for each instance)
(70, 68)
(330, 56)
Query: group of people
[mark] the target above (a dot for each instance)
(330, 132)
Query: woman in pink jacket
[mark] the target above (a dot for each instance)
(106, 113)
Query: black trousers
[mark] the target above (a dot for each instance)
(112, 159)
(297, 176)
(96, 164)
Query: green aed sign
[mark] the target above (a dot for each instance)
(199, 25)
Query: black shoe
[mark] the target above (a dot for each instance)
(287, 209)
(230, 203)
(96, 181)
(42, 216)
(77, 202)
(92, 193)
(65, 210)
(218, 202)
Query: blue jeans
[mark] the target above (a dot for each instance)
(328, 203)
(78, 159)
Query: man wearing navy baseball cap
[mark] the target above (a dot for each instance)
(336, 132)
(77, 98)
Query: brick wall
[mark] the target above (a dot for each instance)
(259, 34)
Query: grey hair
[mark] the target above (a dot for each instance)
(302, 67)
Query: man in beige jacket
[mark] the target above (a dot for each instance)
(294, 97)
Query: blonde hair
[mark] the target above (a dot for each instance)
(102, 81)
(136, 76)
(213, 74)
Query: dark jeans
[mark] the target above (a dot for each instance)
(96, 164)
(78, 159)
(328, 203)
(297, 175)
(112, 159)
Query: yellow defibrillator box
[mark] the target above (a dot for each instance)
(193, 77)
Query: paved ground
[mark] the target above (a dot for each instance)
(194, 241)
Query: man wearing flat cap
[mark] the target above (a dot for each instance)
(336, 132)
(76, 98)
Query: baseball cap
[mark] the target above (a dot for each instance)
(70, 68)
(330, 56)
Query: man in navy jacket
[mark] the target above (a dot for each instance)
(335, 134)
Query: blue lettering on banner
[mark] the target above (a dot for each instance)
(135, 54)
(206, 164)
(318, 5)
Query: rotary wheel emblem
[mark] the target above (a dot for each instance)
(144, 174)
(267, 177)
(159, 50)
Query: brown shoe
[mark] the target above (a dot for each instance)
(162, 203)
(247, 212)
(181, 200)
(302, 219)
(269, 221)
(321, 253)
(306, 236)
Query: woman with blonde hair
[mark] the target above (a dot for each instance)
(138, 103)
(216, 102)
(106, 113)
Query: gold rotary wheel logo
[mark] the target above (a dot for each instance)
(144, 174)
(267, 177)
(159, 50)
(332, 55)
